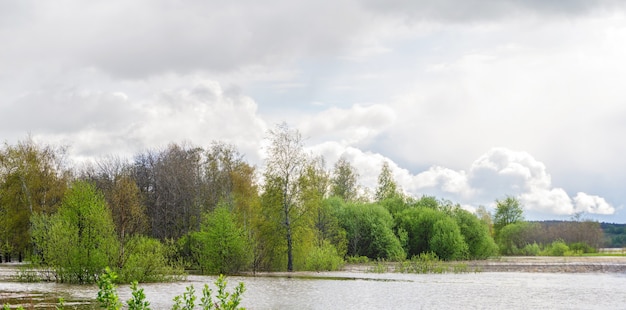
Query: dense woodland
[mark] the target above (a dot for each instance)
(190, 207)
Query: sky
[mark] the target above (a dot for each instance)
(467, 100)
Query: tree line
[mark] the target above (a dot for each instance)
(185, 206)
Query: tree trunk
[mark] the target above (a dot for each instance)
(289, 249)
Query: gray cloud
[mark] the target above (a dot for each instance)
(141, 38)
(456, 11)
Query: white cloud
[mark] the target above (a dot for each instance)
(592, 204)
(493, 175)
(353, 126)
(97, 123)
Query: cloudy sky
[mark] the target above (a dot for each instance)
(468, 100)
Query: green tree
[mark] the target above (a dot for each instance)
(221, 245)
(344, 181)
(81, 239)
(476, 234)
(145, 260)
(387, 187)
(284, 167)
(508, 211)
(447, 241)
(369, 229)
(514, 237)
(33, 179)
(418, 224)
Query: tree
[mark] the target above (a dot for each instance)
(344, 180)
(508, 211)
(221, 247)
(447, 241)
(33, 179)
(476, 234)
(170, 183)
(284, 167)
(369, 229)
(485, 217)
(387, 187)
(112, 176)
(80, 241)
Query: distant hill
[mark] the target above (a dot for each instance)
(614, 235)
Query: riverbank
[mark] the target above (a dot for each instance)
(548, 264)
(568, 264)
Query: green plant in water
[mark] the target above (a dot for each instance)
(107, 294)
(61, 304)
(138, 300)
(225, 300)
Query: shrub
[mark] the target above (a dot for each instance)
(145, 261)
(324, 258)
(221, 245)
(530, 249)
(582, 247)
(556, 248)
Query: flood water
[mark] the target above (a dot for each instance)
(338, 290)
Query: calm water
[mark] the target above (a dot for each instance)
(386, 291)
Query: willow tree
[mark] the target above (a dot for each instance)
(285, 165)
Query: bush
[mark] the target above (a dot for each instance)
(221, 245)
(357, 259)
(109, 299)
(324, 258)
(145, 261)
(556, 248)
(530, 250)
(79, 241)
(582, 247)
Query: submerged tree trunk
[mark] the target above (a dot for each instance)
(289, 250)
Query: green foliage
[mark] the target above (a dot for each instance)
(530, 250)
(145, 260)
(387, 187)
(418, 224)
(324, 258)
(447, 241)
(138, 300)
(476, 234)
(513, 237)
(80, 239)
(224, 300)
(187, 301)
(32, 181)
(582, 247)
(344, 181)
(556, 248)
(221, 246)
(357, 259)
(369, 231)
(107, 294)
(508, 211)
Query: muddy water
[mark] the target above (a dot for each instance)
(350, 290)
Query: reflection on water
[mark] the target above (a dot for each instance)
(383, 291)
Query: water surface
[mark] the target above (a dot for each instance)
(349, 290)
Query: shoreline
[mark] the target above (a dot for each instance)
(553, 264)
(527, 264)
(523, 264)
